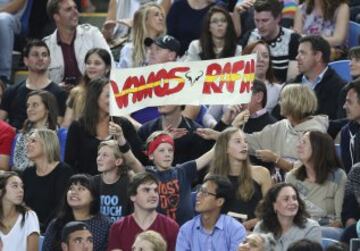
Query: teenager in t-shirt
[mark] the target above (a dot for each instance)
(112, 183)
(144, 194)
(175, 182)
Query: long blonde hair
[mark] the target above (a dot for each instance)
(140, 32)
(221, 165)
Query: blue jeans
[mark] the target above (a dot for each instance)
(9, 26)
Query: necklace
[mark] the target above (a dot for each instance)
(278, 39)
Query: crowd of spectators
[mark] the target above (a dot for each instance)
(280, 172)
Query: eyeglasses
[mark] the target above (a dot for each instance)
(204, 192)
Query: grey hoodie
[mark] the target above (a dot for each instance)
(282, 137)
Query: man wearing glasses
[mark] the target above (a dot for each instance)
(212, 229)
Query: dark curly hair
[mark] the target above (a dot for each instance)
(265, 211)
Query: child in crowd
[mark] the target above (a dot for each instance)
(19, 226)
(175, 182)
(113, 181)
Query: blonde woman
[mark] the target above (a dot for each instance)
(277, 142)
(44, 181)
(231, 159)
(149, 21)
(149, 240)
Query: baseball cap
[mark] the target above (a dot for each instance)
(165, 42)
(71, 227)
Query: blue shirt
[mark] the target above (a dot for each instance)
(227, 234)
(313, 84)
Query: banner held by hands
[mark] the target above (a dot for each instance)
(219, 81)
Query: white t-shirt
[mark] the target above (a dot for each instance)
(16, 239)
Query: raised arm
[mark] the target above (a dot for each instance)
(116, 131)
(204, 159)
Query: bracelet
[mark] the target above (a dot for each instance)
(124, 148)
(277, 160)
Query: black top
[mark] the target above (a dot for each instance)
(188, 147)
(350, 145)
(114, 200)
(328, 93)
(184, 23)
(43, 193)
(257, 124)
(14, 102)
(81, 146)
(238, 205)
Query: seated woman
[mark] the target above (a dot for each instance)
(282, 213)
(276, 143)
(42, 112)
(217, 40)
(320, 181)
(19, 226)
(119, 17)
(81, 203)
(264, 72)
(97, 64)
(85, 135)
(251, 182)
(328, 18)
(184, 20)
(44, 181)
(149, 21)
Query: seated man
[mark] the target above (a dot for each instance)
(10, 14)
(212, 230)
(76, 236)
(259, 116)
(70, 42)
(313, 58)
(283, 42)
(13, 104)
(144, 193)
(350, 133)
